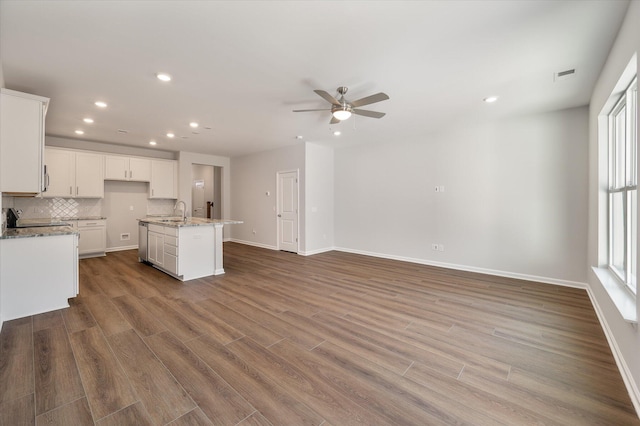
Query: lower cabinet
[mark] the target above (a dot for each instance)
(37, 274)
(185, 252)
(155, 247)
(93, 238)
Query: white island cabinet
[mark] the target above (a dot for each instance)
(185, 249)
(39, 273)
(183, 252)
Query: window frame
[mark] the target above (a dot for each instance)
(624, 182)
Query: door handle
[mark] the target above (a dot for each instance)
(279, 215)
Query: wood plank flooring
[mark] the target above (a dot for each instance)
(330, 339)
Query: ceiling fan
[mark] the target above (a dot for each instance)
(341, 109)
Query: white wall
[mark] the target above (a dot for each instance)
(252, 176)
(319, 196)
(514, 200)
(624, 337)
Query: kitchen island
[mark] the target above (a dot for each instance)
(186, 249)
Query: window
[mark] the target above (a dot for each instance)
(623, 186)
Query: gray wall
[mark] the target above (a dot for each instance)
(514, 200)
(252, 176)
(123, 203)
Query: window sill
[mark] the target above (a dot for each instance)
(624, 300)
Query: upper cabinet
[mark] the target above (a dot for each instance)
(118, 167)
(74, 174)
(21, 142)
(164, 179)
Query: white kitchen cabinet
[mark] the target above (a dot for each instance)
(155, 245)
(93, 237)
(74, 174)
(21, 142)
(164, 179)
(38, 274)
(186, 252)
(118, 167)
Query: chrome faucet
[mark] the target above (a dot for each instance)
(184, 209)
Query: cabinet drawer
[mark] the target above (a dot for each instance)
(90, 223)
(156, 228)
(170, 263)
(169, 249)
(171, 231)
(171, 240)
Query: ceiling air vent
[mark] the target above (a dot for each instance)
(564, 75)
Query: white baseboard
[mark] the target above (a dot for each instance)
(627, 377)
(251, 243)
(317, 251)
(123, 248)
(515, 275)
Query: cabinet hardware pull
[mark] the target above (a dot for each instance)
(125, 174)
(71, 190)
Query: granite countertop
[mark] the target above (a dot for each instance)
(177, 222)
(40, 231)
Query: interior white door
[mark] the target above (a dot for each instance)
(288, 211)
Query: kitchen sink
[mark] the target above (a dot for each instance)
(172, 220)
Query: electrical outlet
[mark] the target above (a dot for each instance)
(434, 247)
(440, 247)
(125, 236)
(254, 232)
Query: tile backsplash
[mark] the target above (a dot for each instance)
(34, 208)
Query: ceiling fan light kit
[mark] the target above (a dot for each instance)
(341, 109)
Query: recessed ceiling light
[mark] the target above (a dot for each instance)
(88, 120)
(163, 76)
(337, 133)
(299, 137)
(490, 99)
(193, 124)
(79, 132)
(152, 142)
(170, 135)
(207, 128)
(185, 137)
(123, 131)
(101, 104)
(195, 133)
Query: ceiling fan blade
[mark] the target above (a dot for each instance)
(370, 100)
(327, 97)
(334, 120)
(309, 110)
(367, 113)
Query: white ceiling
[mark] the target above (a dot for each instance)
(240, 67)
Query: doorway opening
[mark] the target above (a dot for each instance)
(206, 191)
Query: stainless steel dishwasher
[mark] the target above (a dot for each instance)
(143, 228)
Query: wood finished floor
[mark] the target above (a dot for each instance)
(330, 339)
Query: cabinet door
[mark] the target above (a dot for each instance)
(89, 175)
(61, 170)
(116, 168)
(163, 179)
(139, 169)
(21, 142)
(156, 248)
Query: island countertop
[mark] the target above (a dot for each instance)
(177, 222)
